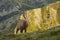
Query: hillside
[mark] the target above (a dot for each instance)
(43, 17)
(38, 35)
(13, 14)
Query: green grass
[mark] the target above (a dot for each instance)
(38, 35)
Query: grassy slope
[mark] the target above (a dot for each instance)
(46, 35)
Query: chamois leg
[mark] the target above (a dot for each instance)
(21, 30)
(17, 30)
(25, 29)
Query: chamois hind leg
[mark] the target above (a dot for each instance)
(25, 29)
(21, 30)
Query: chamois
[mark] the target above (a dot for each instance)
(22, 24)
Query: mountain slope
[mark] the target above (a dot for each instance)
(41, 16)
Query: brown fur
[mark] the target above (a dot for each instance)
(22, 25)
